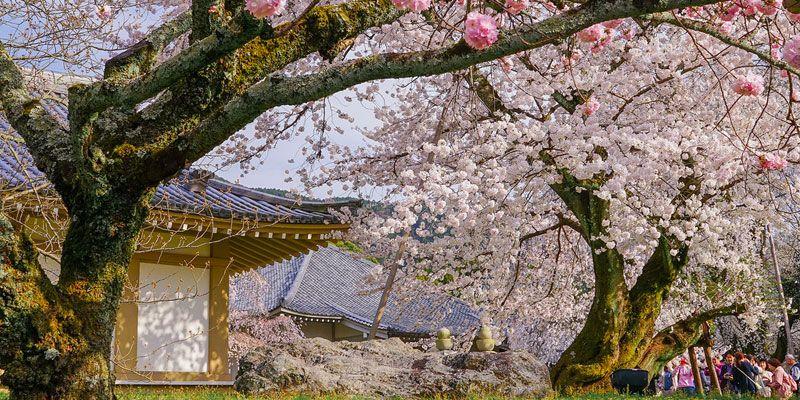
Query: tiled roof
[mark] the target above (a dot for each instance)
(195, 191)
(330, 283)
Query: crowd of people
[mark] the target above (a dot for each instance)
(737, 373)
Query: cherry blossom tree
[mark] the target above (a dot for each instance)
(195, 80)
(642, 153)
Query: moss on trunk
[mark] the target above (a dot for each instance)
(619, 328)
(56, 339)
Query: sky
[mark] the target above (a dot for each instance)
(272, 173)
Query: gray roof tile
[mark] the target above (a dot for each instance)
(220, 198)
(330, 283)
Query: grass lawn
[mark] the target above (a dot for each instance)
(225, 394)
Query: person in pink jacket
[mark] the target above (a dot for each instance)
(783, 386)
(685, 378)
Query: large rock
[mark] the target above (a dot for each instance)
(387, 368)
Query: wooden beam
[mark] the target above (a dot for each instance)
(698, 380)
(249, 261)
(281, 245)
(254, 245)
(261, 258)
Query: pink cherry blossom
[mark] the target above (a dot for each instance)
(613, 24)
(592, 34)
(213, 9)
(480, 30)
(775, 51)
(516, 6)
(629, 33)
(104, 12)
(413, 5)
(602, 43)
(772, 162)
(769, 7)
(590, 107)
(750, 7)
(791, 51)
(730, 13)
(265, 8)
(726, 28)
(749, 85)
(793, 17)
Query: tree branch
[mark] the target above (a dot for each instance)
(198, 56)
(138, 59)
(714, 32)
(320, 29)
(276, 90)
(673, 340)
(529, 236)
(47, 141)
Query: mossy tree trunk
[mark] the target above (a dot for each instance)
(55, 339)
(619, 331)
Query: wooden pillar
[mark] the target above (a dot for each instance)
(387, 289)
(712, 369)
(698, 381)
(218, 362)
(124, 353)
(787, 327)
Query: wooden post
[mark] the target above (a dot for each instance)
(712, 369)
(786, 326)
(387, 289)
(698, 380)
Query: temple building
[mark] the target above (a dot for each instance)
(172, 327)
(328, 294)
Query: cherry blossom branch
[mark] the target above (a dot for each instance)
(276, 90)
(525, 238)
(321, 29)
(714, 32)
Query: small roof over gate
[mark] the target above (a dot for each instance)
(329, 284)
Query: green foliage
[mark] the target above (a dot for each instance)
(355, 248)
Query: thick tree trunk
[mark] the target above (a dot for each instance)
(602, 347)
(620, 325)
(56, 342)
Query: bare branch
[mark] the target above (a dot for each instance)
(140, 57)
(46, 139)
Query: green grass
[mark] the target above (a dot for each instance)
(229, 394)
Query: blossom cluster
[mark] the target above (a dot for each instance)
(635, 113)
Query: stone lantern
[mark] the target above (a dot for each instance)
(484, 341)
(443, 340)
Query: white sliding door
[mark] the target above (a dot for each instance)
(173, 318)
